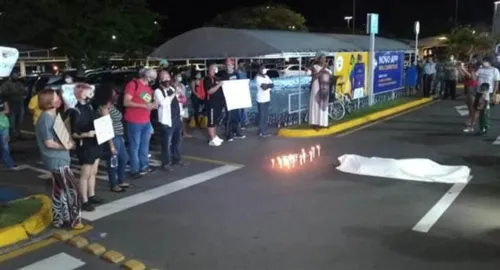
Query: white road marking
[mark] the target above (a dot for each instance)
(385, 119)
(462, 110)
(426, 223)
(61, 261)
(27, 132)
(497, 141)
(155, 193)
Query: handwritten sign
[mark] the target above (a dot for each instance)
(237, 94)
(62, 132)
(68, 94)
(8, 59)
(104, 129)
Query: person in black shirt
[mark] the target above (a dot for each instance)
(233, 128)
(214, 102)
(88, 150)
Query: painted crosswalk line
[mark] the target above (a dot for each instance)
(61, 261)
(462, 110)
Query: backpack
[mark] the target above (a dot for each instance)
(201, 92)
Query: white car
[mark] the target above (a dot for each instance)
(293, 70)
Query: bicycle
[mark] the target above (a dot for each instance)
(340, 106)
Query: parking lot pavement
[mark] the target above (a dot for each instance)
(248, 216)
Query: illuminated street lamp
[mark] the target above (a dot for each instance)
(113, 37)
(348, 20)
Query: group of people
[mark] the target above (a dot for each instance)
(481, 79)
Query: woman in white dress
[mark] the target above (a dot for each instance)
(318, 99)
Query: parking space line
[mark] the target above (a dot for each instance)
(426, 223)
(155, 193)
(61, 261)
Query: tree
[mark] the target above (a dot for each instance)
(466, 41)
(82, 29)
(277, 17)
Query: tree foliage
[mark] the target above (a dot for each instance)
(277, 17)
(82, 29)
(466, 41)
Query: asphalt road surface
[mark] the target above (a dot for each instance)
(229, 211)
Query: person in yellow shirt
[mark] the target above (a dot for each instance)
(34, 109)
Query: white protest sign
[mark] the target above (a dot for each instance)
(68, 94)
(237, 94)
(103, 127)
(8, 59)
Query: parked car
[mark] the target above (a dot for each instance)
(293, 70)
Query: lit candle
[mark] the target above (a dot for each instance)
(319, 149)
(272, 162)
(311, 155)
(280, 162)
(285, 161)
(312, 151)
(303, 156)
(301, 159)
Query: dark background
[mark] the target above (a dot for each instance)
(396, 16)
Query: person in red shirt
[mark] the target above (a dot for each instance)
(138, 102)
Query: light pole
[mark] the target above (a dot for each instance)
(456, 13)
(496, 19)
(348, 20)
(354, 16)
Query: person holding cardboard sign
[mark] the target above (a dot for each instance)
(88, 150)
(66, 205)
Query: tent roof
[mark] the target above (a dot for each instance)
(217, 43)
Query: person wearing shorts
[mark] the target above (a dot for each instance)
(88, 151)
(215, 103)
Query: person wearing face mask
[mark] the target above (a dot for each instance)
(66, 202)
(13, 92)
(450, 77)
(233, 121)
(264, 86)
(88, 151)
(139, 103)
(215, 104)
(169, 116)
(105, 99)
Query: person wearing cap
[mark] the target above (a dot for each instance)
(138, 102)
(233, 121)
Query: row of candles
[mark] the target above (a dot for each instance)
(296, 159)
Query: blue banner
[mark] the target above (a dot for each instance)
(389, 71)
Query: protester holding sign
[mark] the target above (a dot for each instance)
(66, 204)
(88, 150)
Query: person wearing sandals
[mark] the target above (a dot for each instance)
(66, 203)
(105, 99)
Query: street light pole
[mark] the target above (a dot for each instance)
(456, 13)
(354, 16)
(348, 20)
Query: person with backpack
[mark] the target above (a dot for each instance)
(138, 102)
(170, 117)
(214, 98)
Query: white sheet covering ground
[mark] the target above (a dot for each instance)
(415, 169)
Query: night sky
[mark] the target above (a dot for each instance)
(396, 16)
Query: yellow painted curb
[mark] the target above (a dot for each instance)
(307, 133)
(41, 219)
(134, 265)
(31, 226)
(11, 235)
(113, 256)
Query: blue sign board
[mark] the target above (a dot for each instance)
(389, 71)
